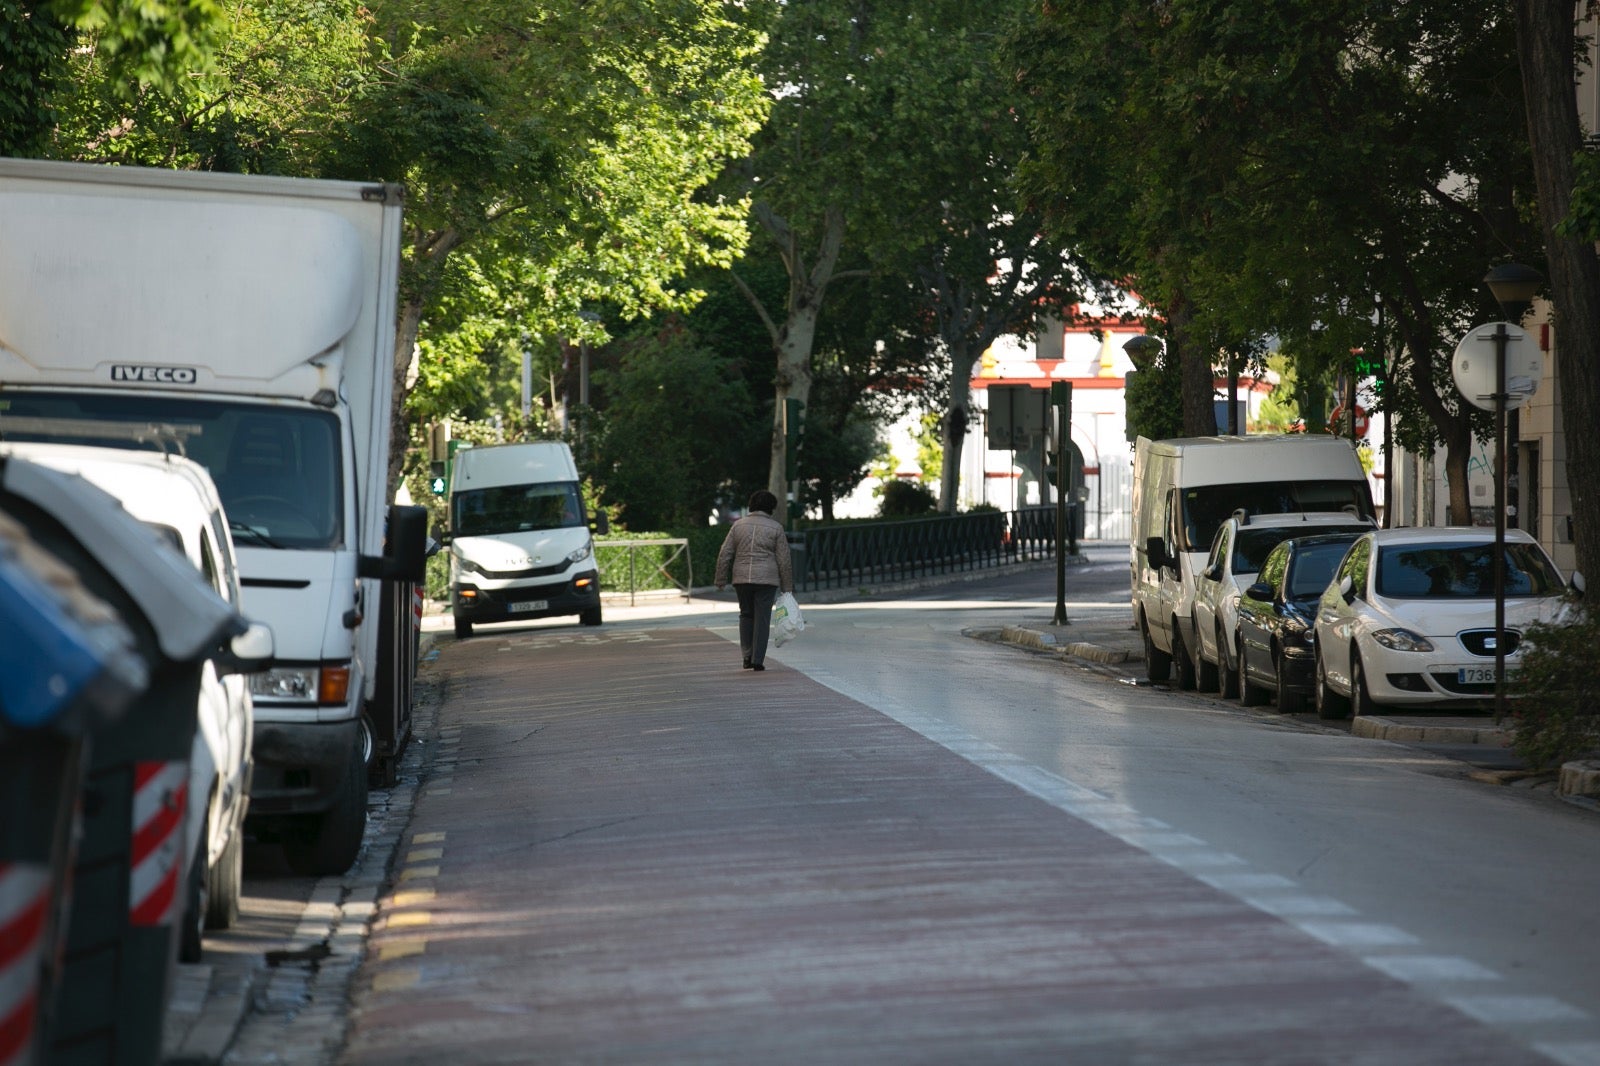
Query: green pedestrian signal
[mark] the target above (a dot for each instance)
(438, 486)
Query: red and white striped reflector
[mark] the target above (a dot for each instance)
(416, 606)
(160, 802)
(24, 906)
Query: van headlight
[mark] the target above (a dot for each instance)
(579, 555)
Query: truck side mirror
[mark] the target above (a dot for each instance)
(405, 548)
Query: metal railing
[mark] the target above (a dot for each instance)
(841, 556)
(660, 563)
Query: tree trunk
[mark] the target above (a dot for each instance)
(1546, 50)
(1196, 374)
(405, 344)
(1457, 460)
(958, 399)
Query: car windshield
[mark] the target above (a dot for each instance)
(1443, 570)
(1206, 507)
(277, 469)
(515, 509)
(1252, 546)
(1313, 568)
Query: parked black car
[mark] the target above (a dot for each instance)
(1277, 618)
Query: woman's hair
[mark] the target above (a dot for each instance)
(764, 501)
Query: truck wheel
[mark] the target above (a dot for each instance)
(225, 884)
(463, 629)
(195, 906)
(332, 840)
(591, 617)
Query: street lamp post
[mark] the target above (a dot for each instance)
(1513, 286)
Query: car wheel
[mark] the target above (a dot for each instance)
(1250, 693)
(195, 906)
(1205, 672)
(225, 884)
(1361, 702)
(1182, 663)
(1290, 701)
(1227, 680)
(1330, 705)
(1157, 663)
(463, 629)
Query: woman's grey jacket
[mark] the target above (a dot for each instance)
(756, 552)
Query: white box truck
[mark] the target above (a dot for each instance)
(246, 322)
(1185, 488)
(519, 537)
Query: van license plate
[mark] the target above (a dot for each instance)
(1480, 675)
(541, 605)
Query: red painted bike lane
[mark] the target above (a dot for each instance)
(625, 849)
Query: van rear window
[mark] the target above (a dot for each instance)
(1206, 507)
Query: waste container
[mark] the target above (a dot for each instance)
(70, 668)
(118, 949)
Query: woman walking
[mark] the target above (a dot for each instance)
(755, 557)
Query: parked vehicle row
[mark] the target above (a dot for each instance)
(1296, 604)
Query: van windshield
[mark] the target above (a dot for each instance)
(1206, 507)
(515, 509)
(277, 469)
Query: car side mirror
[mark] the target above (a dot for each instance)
(1577, 584)
(1155, 550)
(1212, 572)
(248, 653)
(1260, 591)
(1347, 589)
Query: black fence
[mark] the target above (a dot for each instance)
(841, 556)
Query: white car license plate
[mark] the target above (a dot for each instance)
(541, 605)
(1480, 675)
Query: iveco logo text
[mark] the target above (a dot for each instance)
(153, 375)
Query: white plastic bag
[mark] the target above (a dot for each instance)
(786, 620)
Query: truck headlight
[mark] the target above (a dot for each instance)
(301, 684)
(579, 555)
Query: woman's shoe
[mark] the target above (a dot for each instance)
(757, 666)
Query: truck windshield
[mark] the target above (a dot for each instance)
(1206, 507)
(515, 509)
(277, 469)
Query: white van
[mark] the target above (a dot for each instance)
(176, 497)
(1185, 488)
(520, 545)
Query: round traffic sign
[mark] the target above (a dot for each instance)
(1338, 422)
(1473, 366)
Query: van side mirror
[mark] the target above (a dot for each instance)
(248, 653)
(1155, 550)
(601, 523)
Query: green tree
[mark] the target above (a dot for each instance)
(1569, 218)
(1291, 170)
(673, 413)
(853, 152)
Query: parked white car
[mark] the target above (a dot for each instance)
(1408, 619)
(176, 497)
(1237, 551)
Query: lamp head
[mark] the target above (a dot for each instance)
(1513, 286)
(1142, 350)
